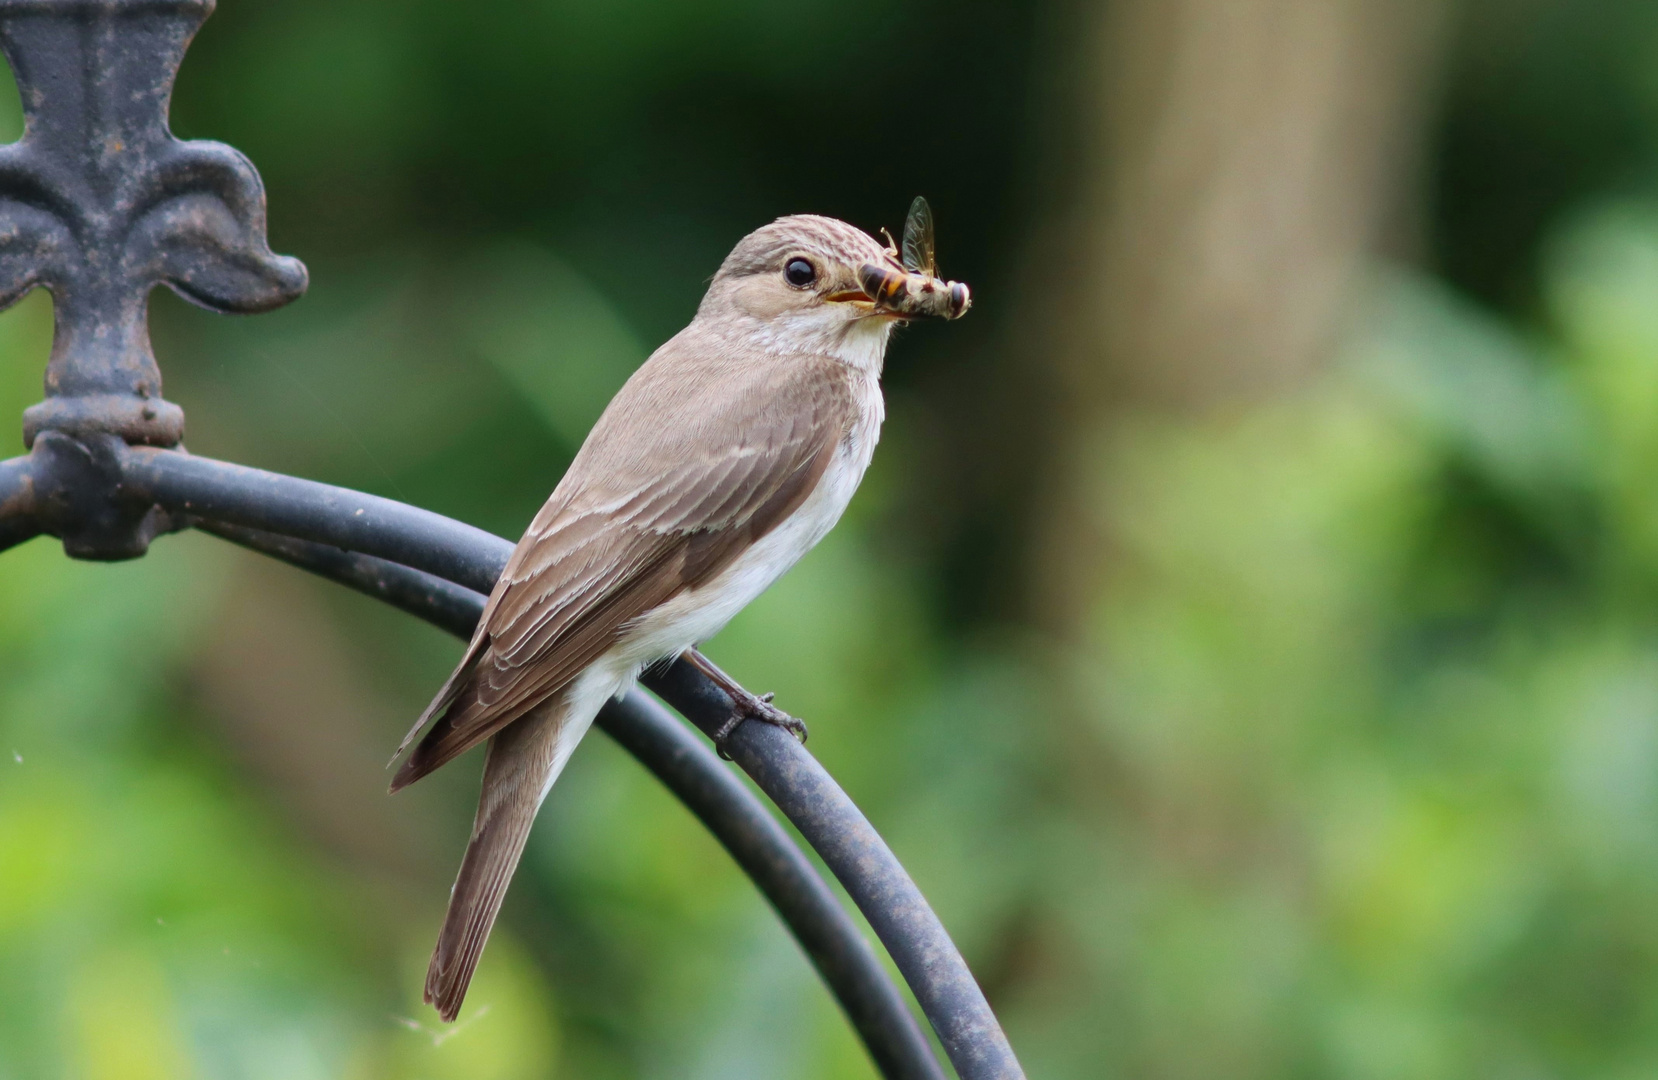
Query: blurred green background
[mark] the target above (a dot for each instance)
(1247, 634)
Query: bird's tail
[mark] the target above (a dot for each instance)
(523, 760)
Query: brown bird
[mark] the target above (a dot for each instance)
(725, 458)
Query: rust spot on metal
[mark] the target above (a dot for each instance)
(19, 502)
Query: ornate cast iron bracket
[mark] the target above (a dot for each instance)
(99, 203)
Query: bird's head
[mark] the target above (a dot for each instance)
(806, 282)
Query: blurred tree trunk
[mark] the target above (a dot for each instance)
(293, 704)
(1231, 164)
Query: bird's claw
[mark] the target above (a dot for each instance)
(752, 707)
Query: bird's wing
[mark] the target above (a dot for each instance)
(678, 478)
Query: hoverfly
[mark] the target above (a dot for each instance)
(917, 288)
(919, 256)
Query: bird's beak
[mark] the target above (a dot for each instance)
(902, 294)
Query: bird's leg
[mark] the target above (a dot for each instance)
(745, 706)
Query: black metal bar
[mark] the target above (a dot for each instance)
(784, 770)
(761, 846)
(444, 604)
(322, 513)
(872, 875)
(18, 518)
(692, 772)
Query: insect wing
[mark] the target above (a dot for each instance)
(918, 238)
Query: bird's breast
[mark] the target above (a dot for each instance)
(698, 614)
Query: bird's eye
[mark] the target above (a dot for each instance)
(799, 273)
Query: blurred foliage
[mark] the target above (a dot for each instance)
(1353, 774)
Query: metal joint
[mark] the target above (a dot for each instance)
(80, 497)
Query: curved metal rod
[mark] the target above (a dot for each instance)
(445, 605)
(866, 866)
(691, 771)
(782, 768)
(19, 520)
(322, 513)
(689, 767)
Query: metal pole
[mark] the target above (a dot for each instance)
(755, 839)
(866, 866)
(256, 499)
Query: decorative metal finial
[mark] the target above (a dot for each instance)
(100, 203)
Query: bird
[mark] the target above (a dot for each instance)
(724, 458)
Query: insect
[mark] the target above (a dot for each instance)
(919, 256)
(919, 282)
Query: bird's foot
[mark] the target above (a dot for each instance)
(747, 706)
(744, 705)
